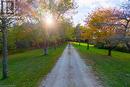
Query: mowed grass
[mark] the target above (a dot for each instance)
(27, 69)
(113, 71)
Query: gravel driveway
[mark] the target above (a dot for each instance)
(70, 71)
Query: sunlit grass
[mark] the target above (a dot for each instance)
(114, 71)
(27, 69)
(83, 44)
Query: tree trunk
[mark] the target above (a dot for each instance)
(109, 51)
(55, 45)
(79, 42)
(46, 47)
(88, 45)
(5, 50)
(128, 46)
(46, 51)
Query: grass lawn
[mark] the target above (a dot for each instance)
(114, 71)
(27, 69)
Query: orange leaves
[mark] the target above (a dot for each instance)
(86, 33)
(99, 22)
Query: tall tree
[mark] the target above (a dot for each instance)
(7, 8)
(10, 12)
(58, 9)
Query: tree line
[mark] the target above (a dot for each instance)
(108, 28)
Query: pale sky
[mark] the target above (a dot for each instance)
(86, 6)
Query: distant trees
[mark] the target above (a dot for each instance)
(30, 35)
(66, 30)
(24, 36)
(86, 35)
(78, 33)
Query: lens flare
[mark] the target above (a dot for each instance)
(49, 20)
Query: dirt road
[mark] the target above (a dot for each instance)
(70, 71)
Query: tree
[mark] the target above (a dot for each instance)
(103, 32)
(123, 20)
(58, 10)
(4, 24)
(78, 33)
(66, 30)
(86, 35)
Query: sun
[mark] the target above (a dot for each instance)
(49, 20)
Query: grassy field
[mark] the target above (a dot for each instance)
(114, 71)
(27, 69)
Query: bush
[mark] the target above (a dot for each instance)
(121, 47)
(100, 45)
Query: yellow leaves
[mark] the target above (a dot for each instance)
(96, 20)
(86, 33)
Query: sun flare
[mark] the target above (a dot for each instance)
(49, 20)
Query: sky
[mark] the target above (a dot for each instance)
(87, 6)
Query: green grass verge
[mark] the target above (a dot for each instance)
(27, 69)
(114, 71)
